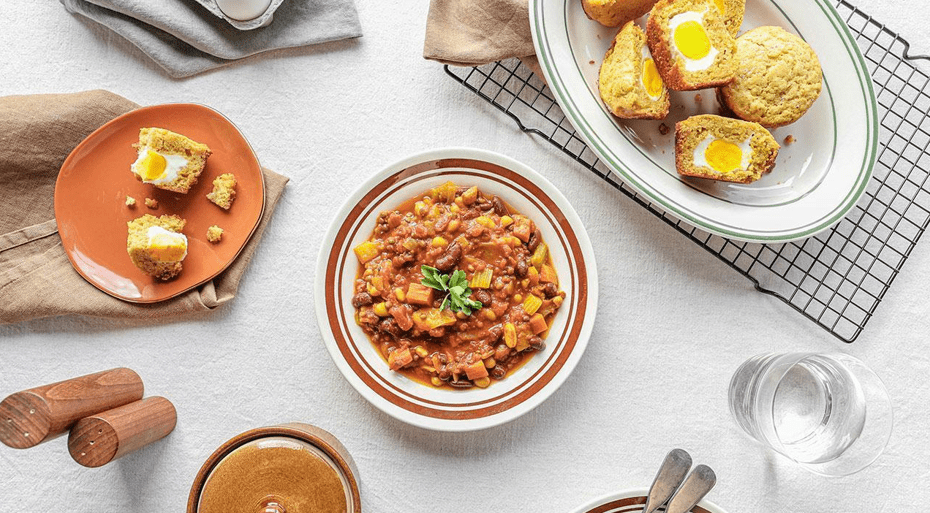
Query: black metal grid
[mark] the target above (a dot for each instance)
(836, 278)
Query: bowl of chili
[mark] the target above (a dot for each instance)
(456, 289)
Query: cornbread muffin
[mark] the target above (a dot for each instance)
(168, 160)
(730, 150)
(130, 201)
(214, 234)
(690, 44)
(152, 203)
(224, 191)
(613, 13)
(778, 77)
(156, 245)
(732, 11)
(628, 81)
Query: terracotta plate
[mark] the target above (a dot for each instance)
(90, 201)
(527, 387)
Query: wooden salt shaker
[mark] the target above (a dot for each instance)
(99, 439)
(33, 416)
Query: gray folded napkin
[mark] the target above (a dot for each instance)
(185, 39)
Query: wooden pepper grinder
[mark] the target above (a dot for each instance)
(99, 439)
(33, 416)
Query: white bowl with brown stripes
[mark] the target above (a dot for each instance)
(632, 501)
(476, 408)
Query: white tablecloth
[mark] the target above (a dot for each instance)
(654, 376)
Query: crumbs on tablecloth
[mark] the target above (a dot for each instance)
(698, 97)
(151, 203)
(130, 201)
(663, 129)
(789, 139)
(214, 234)
(591, 62)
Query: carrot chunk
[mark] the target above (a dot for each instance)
(538, 324)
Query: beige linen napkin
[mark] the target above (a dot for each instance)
(36, 278)
(475, 32)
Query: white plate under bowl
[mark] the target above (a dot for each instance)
(632, 501)
(456, 410)
(816, 179)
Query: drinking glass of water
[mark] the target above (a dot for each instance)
(828, 412)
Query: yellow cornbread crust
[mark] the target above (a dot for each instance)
(733, 12)
(690, 132)
(620, 82)
(671, 67)
(224, 191)
(613, 13)
(137, 244)
(167, 142)
(214, 234)
(778, 77)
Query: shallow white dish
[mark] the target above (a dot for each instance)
(632, 501)
(456, 410)
(816, 180)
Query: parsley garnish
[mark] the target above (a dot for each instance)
(455, 287)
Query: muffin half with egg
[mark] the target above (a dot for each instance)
(156, 245)
(168, 160)
(690, 44)
(628, 81)
(719, 148)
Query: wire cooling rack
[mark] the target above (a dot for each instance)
(836, 278)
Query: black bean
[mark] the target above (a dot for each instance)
(483, 296)
(499, 207)
(451, 257)
(498, 372)
(522, 267)
(390, 326)
(361, 299)
(537, 343)
(551, 290)
(535, 239)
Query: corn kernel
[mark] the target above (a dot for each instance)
(420, 208)
(436, 381)
(400, 294)
(490, 363)
(470, 196)
(429, 369)
(483, 382)
(439, 241)
(420, 350)
(455, 209)
(380, 309)
(373, 291)
(453, 226)
(518, 298)
(489, 314)
(557, 301)
(485, 221)
(459, 201)
(506, 221)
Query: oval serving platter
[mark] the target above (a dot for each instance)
(442, 409)
(826, 158)
(91, 211)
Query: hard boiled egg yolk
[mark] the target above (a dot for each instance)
(651, 79)
(691, 40)
(723, 156)
(152, 166)
(167, 247)
(721, 6)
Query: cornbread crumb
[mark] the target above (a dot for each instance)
(698, 98)
(224, 191)
(663, 129)
(130, 201)
(613, 13)
(214, 234)
(789, 139)
(141, 252)
(152, 203)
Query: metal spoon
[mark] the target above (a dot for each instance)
(670, 476)
(701, 480)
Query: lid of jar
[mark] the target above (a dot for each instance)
(280, 469)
